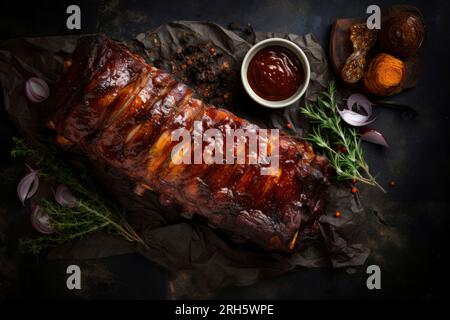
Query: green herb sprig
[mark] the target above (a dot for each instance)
(92, 213)
(329, 132)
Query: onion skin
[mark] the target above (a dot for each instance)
(36, 90)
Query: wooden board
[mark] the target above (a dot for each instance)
(341, 48)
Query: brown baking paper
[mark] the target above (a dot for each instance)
(202, 259)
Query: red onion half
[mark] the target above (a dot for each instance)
(28, 186)
(41, 221)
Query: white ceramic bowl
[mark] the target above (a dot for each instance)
(295, 50)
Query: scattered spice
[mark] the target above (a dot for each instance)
(289, 125)
(391, 184)
(67, 63)
(203, 67)
(337, 214)
(354, 181)
(354, 190)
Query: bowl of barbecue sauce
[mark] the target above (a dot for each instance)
(275, 73)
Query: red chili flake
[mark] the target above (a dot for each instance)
(212, 50)
(343, 149)
(354, 190)
(337, 214)
(67, 63)
(391, 184)
(289, 125)
(353, 181)
(227, 96)
(225, 65)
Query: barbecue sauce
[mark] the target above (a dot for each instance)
(275, 73)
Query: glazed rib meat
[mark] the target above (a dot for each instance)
(120, 111)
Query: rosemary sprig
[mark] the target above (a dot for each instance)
(329, 132)
(93, 212)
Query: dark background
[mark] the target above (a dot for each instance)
(409, 225)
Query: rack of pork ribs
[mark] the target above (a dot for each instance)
(120, 111)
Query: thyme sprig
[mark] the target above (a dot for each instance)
(329, 132)
(92, 213)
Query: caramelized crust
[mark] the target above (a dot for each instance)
(121, 112)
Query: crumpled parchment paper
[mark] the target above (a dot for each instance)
(201, 259)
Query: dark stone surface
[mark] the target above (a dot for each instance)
(409, 224)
